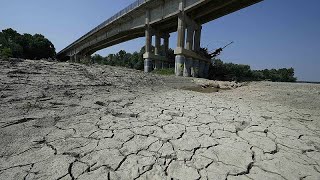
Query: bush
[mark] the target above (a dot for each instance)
(5, 53)
(276, 75)
(238, 72)
(166, 71)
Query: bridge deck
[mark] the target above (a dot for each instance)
(202, 11)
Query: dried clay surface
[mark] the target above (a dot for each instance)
(71, 121)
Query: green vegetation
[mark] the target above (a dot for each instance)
(124, 59)
(218, 70)
(238, 72)
(166, 71)
(6, 52)
(13, 44)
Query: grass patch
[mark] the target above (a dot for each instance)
(166, 71)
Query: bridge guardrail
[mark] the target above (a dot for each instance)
(124, 11)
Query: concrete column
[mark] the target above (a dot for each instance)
(71, 59)
(180, 59)
(166, 45)
(197, 39)
(157, 44)
(189, 44)
(76, 58)
(148, 65)
(179, 64)
(187, 67)
(197, 65)
(181, 27)
(190, 35)
(166, 49)
(148, 40)
(195, 68)
(148, 62)
(158, 63)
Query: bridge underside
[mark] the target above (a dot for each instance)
(159, 19)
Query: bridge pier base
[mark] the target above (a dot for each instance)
(179, 64)
(188, 61)
(195, 68)
(187, 67)
(148, 65)
(154, 60)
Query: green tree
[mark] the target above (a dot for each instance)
(26, 45)
(5, 53)
(17, 50)
(97, 59)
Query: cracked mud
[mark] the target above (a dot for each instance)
(70, 121)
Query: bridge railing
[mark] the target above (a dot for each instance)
(124, 11)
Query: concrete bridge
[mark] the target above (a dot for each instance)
(158, 18)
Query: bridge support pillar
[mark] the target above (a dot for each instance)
(148, 67)
(76, 58)
(158, 63)
(196, 48)
(180, 58)
(189, 44)
(179, 64)
(165, 64)
(71, 58)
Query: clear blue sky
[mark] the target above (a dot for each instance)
(272, 34)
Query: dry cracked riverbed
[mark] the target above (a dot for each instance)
(70, 121)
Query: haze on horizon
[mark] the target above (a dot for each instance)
(271, 34)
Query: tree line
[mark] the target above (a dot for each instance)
(130, 60)
(13, 44)
(239, 72)
(218, 69)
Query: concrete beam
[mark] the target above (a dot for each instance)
(188, 53)
(154, 57)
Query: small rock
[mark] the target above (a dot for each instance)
(100, 103)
